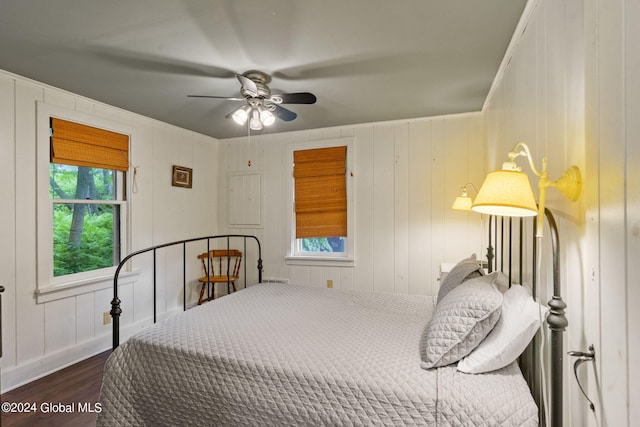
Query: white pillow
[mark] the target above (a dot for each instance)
(517, 326)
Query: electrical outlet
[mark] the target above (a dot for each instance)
(329, 284)
(106, 318)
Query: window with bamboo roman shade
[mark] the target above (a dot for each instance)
(320, 192)
(81, 145)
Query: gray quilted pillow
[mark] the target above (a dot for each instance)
(461, 321)
(466, 269)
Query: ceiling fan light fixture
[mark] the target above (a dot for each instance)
(255, 123)
(261, 108)
(267, 118)
(241, 115)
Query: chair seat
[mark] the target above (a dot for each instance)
(218, 279)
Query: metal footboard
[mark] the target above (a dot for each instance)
(116, 310)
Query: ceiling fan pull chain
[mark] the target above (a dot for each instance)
(249, 140)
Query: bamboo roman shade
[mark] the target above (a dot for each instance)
(320, 192)
(82, 145)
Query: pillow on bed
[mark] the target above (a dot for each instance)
(501, 282)
(466, 269)
(518, 324)
(461, 321)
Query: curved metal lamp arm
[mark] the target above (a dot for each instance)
(569, 184)
(522, 149)
(464, 190)
(470, 184)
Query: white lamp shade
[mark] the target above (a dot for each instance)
(240, 116)
(506, 193)
(267, 117)
(254, 122)
(462, 203)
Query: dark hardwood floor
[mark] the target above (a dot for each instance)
(70, 395)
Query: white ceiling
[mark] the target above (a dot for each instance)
(365, 60)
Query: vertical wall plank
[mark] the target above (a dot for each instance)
(611, 137)
(364, 225)
(401, 208)
(274, 202)
(59, 324)
(383, 209)
(632, 73)
(438, 210)
(476, 155)
(455, 174)
(420, 189)
(30, 316)
(8, 219)
(591, 201)
(85, 313)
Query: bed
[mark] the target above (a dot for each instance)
(291, 355)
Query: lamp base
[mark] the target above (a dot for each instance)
(570, 183)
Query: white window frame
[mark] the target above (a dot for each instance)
(296, 257)
(48, 287)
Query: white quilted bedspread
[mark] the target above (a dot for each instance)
(288, 355)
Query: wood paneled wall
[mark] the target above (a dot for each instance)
(613, 154)
(569, 89)
(538, 98)
(406, 176)
(42, 337)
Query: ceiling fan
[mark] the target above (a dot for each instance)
(262, 107)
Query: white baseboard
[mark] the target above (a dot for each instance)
(34, 369)
(31, 370)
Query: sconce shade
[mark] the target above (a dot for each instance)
(506, 193)
(462, 203)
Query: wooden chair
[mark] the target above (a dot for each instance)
(219, 266)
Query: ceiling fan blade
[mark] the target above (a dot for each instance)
(293, 98)
(248, 85)
(284, 114)
(158, 64)
(216, 97)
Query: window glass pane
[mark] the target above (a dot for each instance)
(78, 182)
(322, 244)
(85, 237)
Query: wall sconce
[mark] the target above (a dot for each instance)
(507, 192)
(463, 202)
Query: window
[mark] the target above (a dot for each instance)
(320, 201)
(82, 214)
(86, 187)
(86, 218)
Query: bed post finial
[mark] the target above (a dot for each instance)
(115, 312)
(556, 319)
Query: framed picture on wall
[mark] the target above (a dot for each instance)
(182, 177)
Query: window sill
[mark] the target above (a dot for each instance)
(320, 261)
(79, 287)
